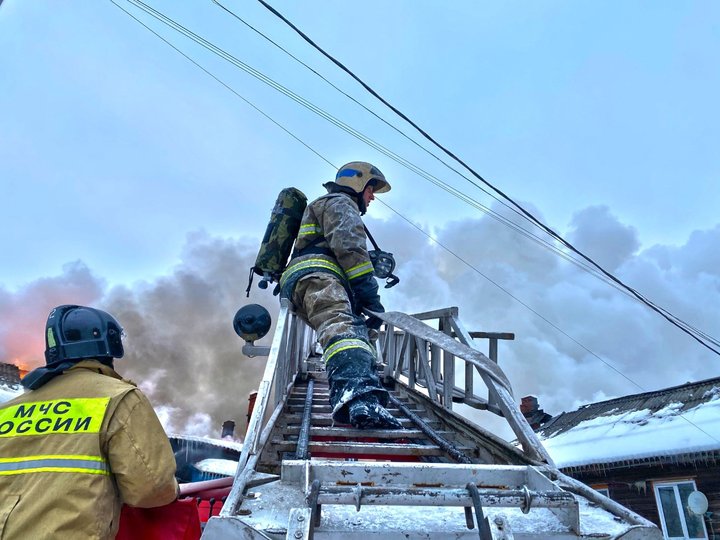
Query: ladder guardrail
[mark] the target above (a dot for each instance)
(432, 353)
(290, 346)
(401, 357)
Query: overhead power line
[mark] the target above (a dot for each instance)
(465, 198)
(342, 125)
(462, 196)
(351, 98)
(700, 337)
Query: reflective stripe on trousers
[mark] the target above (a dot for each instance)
(345, 344)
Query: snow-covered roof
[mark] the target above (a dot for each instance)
(679, 424)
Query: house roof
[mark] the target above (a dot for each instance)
(680, 424)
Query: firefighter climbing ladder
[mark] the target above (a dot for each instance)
(300, 476)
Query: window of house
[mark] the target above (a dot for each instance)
(676, 520)
(604, 489)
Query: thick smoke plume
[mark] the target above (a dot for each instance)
(23, 313)
(181, 348)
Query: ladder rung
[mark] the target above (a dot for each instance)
(408, 496)
(355, 433)
(365, 449)
(325, 419)
(300, 398)
(325, 409)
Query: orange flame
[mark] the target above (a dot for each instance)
(22, 367)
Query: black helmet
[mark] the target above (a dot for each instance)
(77, 332)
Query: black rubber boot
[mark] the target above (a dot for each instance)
(351, 375)
(367, 413)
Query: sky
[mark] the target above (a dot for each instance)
(134, 181)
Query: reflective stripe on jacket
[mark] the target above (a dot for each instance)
(74, 450)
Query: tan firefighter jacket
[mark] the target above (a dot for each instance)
(332, 232)
(74, 450)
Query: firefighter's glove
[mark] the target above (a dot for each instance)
(373, 323)
(365, 294)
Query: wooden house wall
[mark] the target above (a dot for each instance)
(633, 487)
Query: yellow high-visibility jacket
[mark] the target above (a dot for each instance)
(74, 450)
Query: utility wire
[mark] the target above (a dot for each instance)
(317, 153)
(251, 104)
(360, 136)
(672, 319)
(351, 98)
(477, 205)
(582, 265)
(568, 257)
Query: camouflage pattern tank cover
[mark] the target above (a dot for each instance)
(280, 233)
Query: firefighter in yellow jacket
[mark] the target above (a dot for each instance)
(82, 441)
(330, 281)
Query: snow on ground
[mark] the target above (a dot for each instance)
(640, 434)
(9, 392)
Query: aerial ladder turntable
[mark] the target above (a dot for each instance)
(301, 477)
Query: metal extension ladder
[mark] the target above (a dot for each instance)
(302, 477)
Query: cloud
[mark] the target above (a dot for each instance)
(576, 338)
(180, 346)
(602, 237)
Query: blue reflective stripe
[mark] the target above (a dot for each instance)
(346, 172)
(345, 344)
(66, 464)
